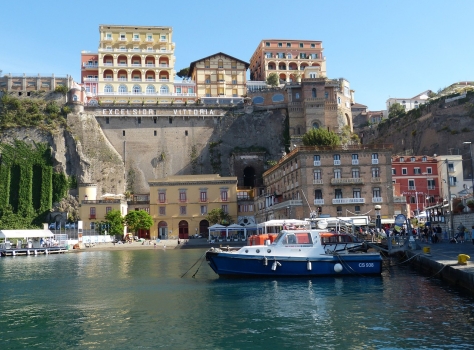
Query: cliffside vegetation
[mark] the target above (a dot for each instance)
(28, 185)
(39, 113)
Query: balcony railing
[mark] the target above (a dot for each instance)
(164, 65)
(90, 79)
(377, 200)
(317, 163)
(91, 65)
(318, 202)
(375, 161)
(355, 161)
(376, 180)
(411, 187)
(347, 181)
(317, 181)
(146, 94)
(348, 201)
(101, 201)
(150, 65)
(337, 162)
(137, 50)
(399, 199)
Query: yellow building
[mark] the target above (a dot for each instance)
(219, 78)
(93, 210)
(135, 64)
(179, 204)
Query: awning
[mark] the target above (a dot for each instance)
(25, 233)
(387, 221)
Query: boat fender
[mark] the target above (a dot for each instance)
(13, 253)
(309, 266)
(337, 268)
(275, 264)
(46, 251)
(265, 261)
(28, 252)
(36, 252)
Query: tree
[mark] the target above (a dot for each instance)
(321, 137)
(138, 219)
(115, 220)
(183, 73)
(218, 216)
(272, 79)
(396, 110)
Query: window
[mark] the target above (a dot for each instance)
(122, 37)
(220, 64)
(301, 45)
(452, 181)
(429, 171)
(182, 210)
(450, 167)
(107, 209)
(357, 209)
(149, 37)
(122, 90)
(412, 159)
(375, 172)
(92, 213)
(203, 209)
(224, 194)
(136, 37)
(207, 79)
(108, 88)
(404, 171)
(339, 210)
(376, 192)
(412, 200)
(337, 159)
(108, 36)
(431, 184)
(297, 96)
(356, 193)
(355, 173)
(417, 171)
(375, 158)
(162, 197)
(317, 160)
(203, 196)
(314, 56)
(318, 194)
(288, 55)
(234, 79)
(162, 210)
(394, 171)
(267, 44)
(338, 100)
(233, 65)
(288, 44)
(326, 95)
(337, 173)
(163, 38)
(338, 193)
(207, 64)
(402, 159)
(411, 184)
(317, 175)
(107, 120)
(164, 90)
(424, 159)
(150, 89)
(182, 195)
(123, 132)
(355, 159)
(137, 89)
(280, 45)
(154, 132)
(225, 208)
(313, 46)
(313, 93)
(268, 55)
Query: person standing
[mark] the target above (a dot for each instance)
(460, 233)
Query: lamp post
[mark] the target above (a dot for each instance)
(472, 167)
(378, 221)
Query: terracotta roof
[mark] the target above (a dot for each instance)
(358, 105)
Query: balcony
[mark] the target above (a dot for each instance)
(156, 94)
(317, 181)
(337, 162)
(90, 79)
(376, 180)
(399, 199)
(149, 40)
(150, 65)
(122, 79)
(377, 200)
(163, 80)
(90, 65)
(411, 188)
(150, 79)
(348, 201)
(108, 79)
(375, 161)
(355, 161)
(347, 181)
(92, 217)
(136, 64)
(318, 202)
(164, 65)
(108, 64)
(163, 40)
(317, 163)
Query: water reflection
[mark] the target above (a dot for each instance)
(129, 299)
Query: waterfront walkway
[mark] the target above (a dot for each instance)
(442, 262)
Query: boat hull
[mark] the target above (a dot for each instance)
(235, 265)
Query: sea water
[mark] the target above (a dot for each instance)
(138, 300)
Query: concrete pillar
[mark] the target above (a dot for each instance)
(23, 82)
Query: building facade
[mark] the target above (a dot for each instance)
(25, 85)
(418, 180)
(450, 169)
(408, 103)
(135, 65)
(330, 181)
(219, 78)
(179, 204)
(289, 59)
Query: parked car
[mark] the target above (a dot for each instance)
(54, 226)
(70, 225)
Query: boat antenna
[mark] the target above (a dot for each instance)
(312, 213)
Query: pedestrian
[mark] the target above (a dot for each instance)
(155, 245)
(460, 233)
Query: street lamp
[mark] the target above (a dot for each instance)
(472, 167)
(378, 221)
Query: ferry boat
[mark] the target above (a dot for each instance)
(297, 252)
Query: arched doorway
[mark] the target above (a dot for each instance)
(183, 229)
(204, 228)
(162, 230)
(249, 177)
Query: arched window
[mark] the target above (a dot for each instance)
(278, 98)
(289, 55)
(122, 89)
(137, 89)
(150, 89)
(315, 125)
(313, 92)
(258, 100)
(164, 89)
(108, 88)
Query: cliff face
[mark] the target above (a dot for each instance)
(440, 128)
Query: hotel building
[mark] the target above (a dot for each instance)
(219, 78)
(134, 65)
(179, 204)
(331, 181)
(289, 59)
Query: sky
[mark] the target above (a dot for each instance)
(385, 49)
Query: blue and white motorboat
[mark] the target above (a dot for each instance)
(303, 252)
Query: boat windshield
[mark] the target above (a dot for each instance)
(293, 238)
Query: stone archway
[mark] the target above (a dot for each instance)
(183, 229)
(249, 177)
(204, 228)
(162, 230)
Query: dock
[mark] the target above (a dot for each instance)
(32, 251)
(440, 260)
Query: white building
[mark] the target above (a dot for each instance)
(408, 103)
(450, 171)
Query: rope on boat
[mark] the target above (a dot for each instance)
(193, 276)
(194, 265)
